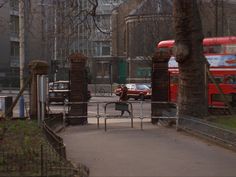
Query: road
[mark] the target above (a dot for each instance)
(92, 107)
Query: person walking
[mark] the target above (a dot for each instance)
(123, 98)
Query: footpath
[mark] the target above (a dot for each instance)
(155, 151)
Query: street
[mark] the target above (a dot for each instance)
(101, 101)
(92, 106)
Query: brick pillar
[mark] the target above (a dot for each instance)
(160, 82)
(37, 67)
(78, 88)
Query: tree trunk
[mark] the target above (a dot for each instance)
(192, 93)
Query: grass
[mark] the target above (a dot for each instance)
(21, 153)
(22, 134)
(228, 122)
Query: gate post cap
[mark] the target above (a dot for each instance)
(38, 66)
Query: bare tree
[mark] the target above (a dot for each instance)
(192, 96)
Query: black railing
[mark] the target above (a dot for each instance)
(55, 140)
(40, 162)
(46, 159)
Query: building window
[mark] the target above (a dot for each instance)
(14, 4)
(102, 48)
(104, 23)
(103, 70)
(15, 49)
(14, 24)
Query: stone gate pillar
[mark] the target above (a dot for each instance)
(160, 82)
(37, 67)
(78, 89)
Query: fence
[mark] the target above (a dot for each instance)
(55, 140)
(43, 161)
(110, 109)
(101, 89)
(48, 159)
(141, 111)
(209, 130)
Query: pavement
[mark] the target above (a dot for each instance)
(154, 151)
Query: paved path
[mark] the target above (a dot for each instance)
(156, 151)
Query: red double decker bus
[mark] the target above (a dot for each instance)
(221, 55)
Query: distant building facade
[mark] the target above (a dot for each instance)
(141, 26)
(9, 40)
(138, 26)
(119, 39)
(53, 35)
(89, 34)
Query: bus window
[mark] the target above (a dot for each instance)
(205, 49)
(167, 50)
(230, 49)
(218, 79)
(230, 79)
(212, 49)
(174, 79)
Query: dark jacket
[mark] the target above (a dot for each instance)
(124, 94)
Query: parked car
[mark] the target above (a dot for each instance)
(136, 91)
(149, 85)
(59, 91)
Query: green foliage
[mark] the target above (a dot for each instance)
(226, 121)
(25, 135)
(24, 151)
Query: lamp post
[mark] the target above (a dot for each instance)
(22, 52)
(55, 39)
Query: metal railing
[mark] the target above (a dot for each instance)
(198, 126)
(37, 162)
(55, 140)
(209, 130)
(104, 114)
(101, 89)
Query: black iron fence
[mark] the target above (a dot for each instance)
(55, 140)
(47, 159)
(209, 130)
(48, 125)
(43, 161)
